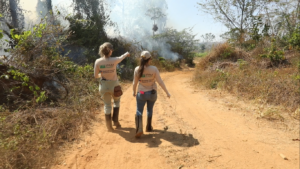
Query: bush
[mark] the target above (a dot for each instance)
(295, 38)
(163, 64)
(183, 43)
(222, 53)
(275, 55)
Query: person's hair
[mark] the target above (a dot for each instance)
(143, 62)
(105, 49)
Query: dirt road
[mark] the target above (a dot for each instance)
(194, 129)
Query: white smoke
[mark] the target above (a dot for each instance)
(35, 10)
(30, 12)
(129, 15)
(4, 44)
(134, 25)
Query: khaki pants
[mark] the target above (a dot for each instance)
(106, 89)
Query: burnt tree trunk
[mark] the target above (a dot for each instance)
(13, 10)
(49, 5)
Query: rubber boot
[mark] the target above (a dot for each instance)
(139, 125)
(115, 117)
(149, 127)
(108, 122)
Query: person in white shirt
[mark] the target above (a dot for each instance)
(106, 66)
(145, 77)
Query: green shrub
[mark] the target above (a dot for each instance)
(295, 38)
(275, 55)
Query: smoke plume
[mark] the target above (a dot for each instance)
(135, 26)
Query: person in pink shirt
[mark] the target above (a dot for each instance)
(146, 76)
(107, 67)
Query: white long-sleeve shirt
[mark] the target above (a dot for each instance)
(107, 67)
(148, 79)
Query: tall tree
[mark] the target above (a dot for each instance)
(182, 42)
(155, 13)
(284, 18)
(43, 8)
(132, 18)
(13, 11)
(49, 5)
(13, 14)
(87, 26)
(93, 10)
(237, 15)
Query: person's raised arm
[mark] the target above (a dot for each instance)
(96, 70)
(161, 83)
(135, 82)
(119, 59)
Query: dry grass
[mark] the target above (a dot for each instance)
(222, 53)
(29, 138)
(243, 75)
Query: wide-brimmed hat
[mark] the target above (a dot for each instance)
(145, 55)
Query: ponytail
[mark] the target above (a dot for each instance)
(142, 66)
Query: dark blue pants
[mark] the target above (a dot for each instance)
(142, 99)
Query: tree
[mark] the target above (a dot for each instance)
(133, 22)
(13, 14)
(94, 11)
(208, 37)
(49, 5)
(285, 18)
(202, 46)
(44, 8)
(87, 27)
(237, 15)
(182, 42)
(155, 13)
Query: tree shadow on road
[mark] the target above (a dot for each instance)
(154, 139)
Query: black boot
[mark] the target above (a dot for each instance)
(149, 127)
(115, 117)
(139, 125)
(108, 122)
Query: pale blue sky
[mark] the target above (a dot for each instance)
(184, 13)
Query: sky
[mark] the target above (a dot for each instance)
(181, 14)
(185, 13)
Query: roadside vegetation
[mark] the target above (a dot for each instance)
(46, 99)
(48, 94)
(260, 60)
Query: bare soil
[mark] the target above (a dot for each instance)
(195, 128)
